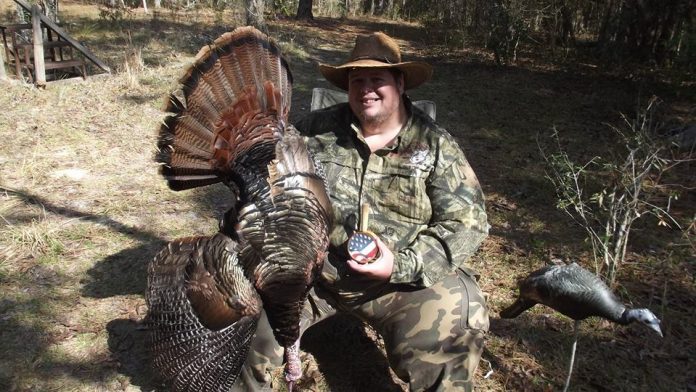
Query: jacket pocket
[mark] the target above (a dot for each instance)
(402, 192)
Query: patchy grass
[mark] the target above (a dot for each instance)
(83, 211)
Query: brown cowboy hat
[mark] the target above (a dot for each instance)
(377, 50)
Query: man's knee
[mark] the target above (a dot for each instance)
(434, 337)
(445, 364)
(452, 368)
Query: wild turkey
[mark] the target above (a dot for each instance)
(578, 294)
(205, 294)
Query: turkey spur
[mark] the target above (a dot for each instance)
(205, 294)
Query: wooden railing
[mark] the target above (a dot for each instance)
(57, 51)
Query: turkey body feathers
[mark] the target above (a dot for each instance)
(180, 342)
(232, 128)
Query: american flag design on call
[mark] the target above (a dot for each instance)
(362, 248)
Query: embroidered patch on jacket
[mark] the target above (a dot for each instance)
(419, 156)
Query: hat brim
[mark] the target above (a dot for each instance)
(415, 72)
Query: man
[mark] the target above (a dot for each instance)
(428, 218)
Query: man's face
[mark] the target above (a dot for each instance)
(374, 94)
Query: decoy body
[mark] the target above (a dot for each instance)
(578, 294)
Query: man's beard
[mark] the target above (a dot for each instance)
(374, 119)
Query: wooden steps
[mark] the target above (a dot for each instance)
(57, 50)
(57, 55)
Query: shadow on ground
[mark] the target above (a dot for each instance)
(122, 273)
(353, 360)
(127, 344)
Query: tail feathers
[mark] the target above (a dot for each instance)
(236, 60)
(184, 149)
(258, 56)
(514, 310)
(247, 131)
(237, 96)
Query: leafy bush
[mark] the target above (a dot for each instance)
(606, 195)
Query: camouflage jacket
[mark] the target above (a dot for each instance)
(426, 203)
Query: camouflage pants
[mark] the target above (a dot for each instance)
(433, 336)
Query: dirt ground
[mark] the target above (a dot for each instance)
(83, 210)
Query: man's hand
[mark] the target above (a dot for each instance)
(380, 269)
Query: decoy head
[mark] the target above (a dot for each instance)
(646, 317)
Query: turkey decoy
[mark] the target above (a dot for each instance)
(578, 294)
(205, 294)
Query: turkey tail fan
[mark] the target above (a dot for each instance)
(202, 315)
(237, 97)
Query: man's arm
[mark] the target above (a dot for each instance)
(457, 227)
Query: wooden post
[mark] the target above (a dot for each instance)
(39, 66)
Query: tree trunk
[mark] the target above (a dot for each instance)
(3, 73)
(254, 14)
(304, 10)
(567, 33)
(368, 7)
(380, 7)
(22, 16)
(50, 9)
(605, 30)
(145, 5)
